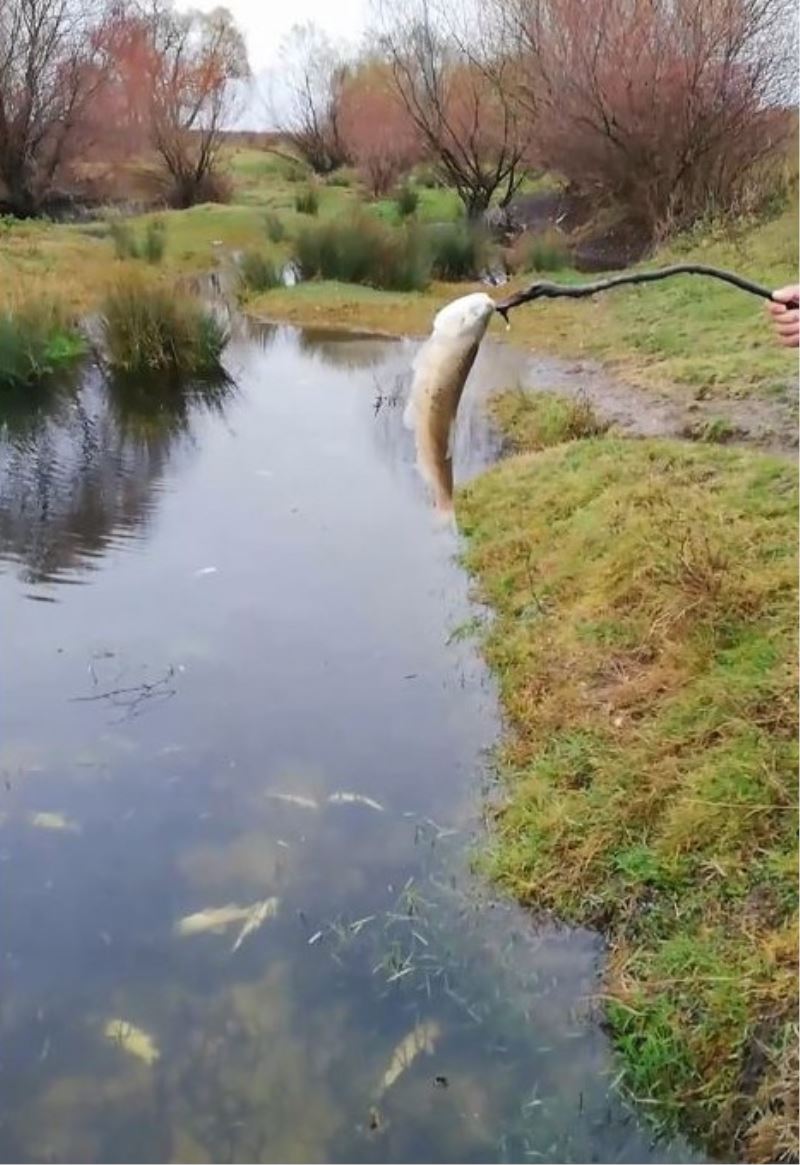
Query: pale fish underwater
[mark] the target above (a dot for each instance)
(422, 1038)
(343, 798)
(441, 368)
(132, 1039)
(217, 919)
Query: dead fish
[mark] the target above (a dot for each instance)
(53, 821)
(257, 917)
(354, 799)
(422, 1038)
(294, 799)
(132, 1039)
(441, 368)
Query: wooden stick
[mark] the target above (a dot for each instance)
(581, 290)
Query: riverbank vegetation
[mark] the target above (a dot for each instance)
(37, 341)
(644, 642)
(148, 328)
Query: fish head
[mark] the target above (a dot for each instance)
(466, 317)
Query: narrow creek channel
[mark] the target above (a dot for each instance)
(234, 674)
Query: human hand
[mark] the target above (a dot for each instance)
(785, 319)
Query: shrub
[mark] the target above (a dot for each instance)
(406, 200)
(542, 252)
(457, 251)
(274, 228)
(124, 240)
(361, 249)
(152, 249)
(150, 328)
(344, 176)
(258, 273)
(36, 340)
(307, 201)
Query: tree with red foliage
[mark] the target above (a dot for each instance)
(668, 108)
(51, 65)
(377, 132)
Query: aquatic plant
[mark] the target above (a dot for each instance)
(36, 340)
(361, 249)
(151, 328)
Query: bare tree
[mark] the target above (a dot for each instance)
(196, 58)
(313, 72)
(50, 66)
(458, 84)
(668, 108)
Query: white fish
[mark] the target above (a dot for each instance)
(295, 799)
(53, 821)
(205, 570)
(441, 368)
(258, 915)
(422, 1038)
(132, 1039)
(342, 798)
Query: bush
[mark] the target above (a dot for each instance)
(542, 252)
(457, 251)
(406, 200)
(36, 340)
(425, 175)
(274, 228)
(361, 249)
(155, 241)
(124, 240)
(150, 328)
(258, 273)
(344, 176)
(307, 201)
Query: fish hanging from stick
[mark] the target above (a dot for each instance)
(444, 361)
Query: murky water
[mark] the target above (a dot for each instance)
(217, 616)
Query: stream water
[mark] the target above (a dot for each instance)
(220, 614)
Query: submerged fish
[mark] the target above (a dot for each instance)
(441, 368)
(132, 1040)
(257, 917)
(295, 799)
(53, 821)
(422, 1038)
(354, 799)
(219, 918)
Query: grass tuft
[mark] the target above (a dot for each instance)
(307, 201)
(458, 251)
(361, 249)
(537, 420)
(37, 340)
(258, 273)
(151, 328)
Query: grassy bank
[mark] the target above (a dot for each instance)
(644, 644)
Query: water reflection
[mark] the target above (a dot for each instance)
(80, 468)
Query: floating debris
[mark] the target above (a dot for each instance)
(422, 1038)
(294, 799)
(132, 1039)
(53, 821)
(316, 936)
(343, 798)
(256, 918)
(218, 918)
(205, 570)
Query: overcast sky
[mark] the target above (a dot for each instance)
(266, 22)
